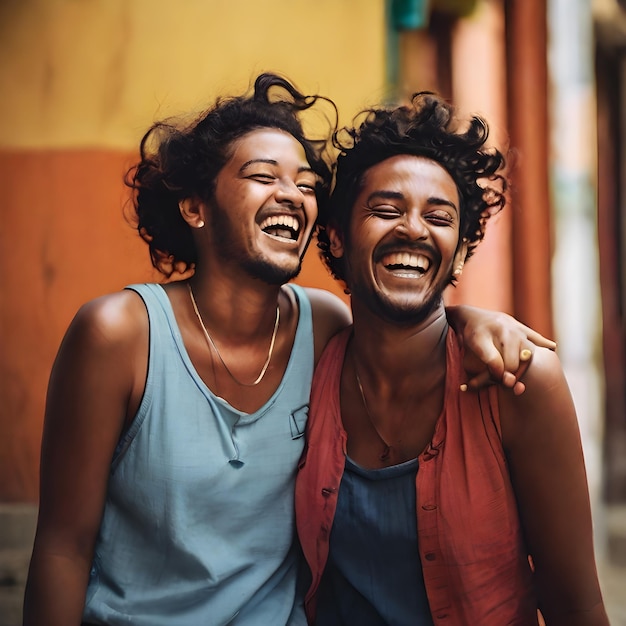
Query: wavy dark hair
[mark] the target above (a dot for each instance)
(426, 127)
(180, 160)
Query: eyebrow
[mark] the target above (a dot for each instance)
(304, 168)
(383, 194)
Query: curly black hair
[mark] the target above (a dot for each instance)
(426, 127)
(179, 160)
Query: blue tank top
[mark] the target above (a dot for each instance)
(374, 576)
(198, 527)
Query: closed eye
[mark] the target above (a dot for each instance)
(308, 188)
(265, 179)
(440, 218)
(385, 211)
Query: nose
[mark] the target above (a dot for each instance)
(288, 192)
(412, 227)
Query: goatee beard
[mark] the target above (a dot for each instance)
(273, 274)
(411, 314)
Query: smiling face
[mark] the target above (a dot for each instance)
(403, 239)
(264, 207)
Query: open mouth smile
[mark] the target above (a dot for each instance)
(281, 227)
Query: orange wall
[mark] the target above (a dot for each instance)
(479, 86)
(58, 258)
(65, 241)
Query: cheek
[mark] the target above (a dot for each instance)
(233, 198)
(449, 240)
(369, 234)
(310, 208)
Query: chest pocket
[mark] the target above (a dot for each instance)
(298, 420)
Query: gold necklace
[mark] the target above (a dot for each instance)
(386, 453)
(211, 343)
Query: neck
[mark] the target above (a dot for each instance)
(385, 351)
(393, 386)
(239, 310)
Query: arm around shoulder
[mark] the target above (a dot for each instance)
(330, 315)
(542, 441)
(498, 347)
(97, 376)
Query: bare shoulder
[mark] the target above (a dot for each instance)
(545, 369)
(329, 308)
(113, 317)
(545, 409)
(107, 341)
(330, 315)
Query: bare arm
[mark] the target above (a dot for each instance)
(330, 315)
(542, 441)
(496, 343)
(95, 384)
(498, 347)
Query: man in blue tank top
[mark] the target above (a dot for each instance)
(175, 413)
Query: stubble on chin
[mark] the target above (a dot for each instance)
(408, 314)
(273, 274)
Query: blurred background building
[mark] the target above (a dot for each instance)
(81, 80)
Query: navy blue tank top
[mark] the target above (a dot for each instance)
(374, 576)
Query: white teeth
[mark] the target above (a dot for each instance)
(407, 259)
(288, 221)
(423, 262)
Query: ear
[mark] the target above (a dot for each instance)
(336, 242)
(459, 259)
(192, 211)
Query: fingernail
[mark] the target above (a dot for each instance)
(525, 354)
(463, 387)
(508, 378)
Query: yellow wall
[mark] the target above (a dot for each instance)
(81, 80)
(96, 72)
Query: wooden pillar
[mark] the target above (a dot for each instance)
(609, 227)
(530, 195)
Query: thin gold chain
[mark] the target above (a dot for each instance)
(386, 453)
(211, 343)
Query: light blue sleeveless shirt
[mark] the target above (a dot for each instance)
(198, 527)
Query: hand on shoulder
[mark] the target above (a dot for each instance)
(546, 402)
(543, 375)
